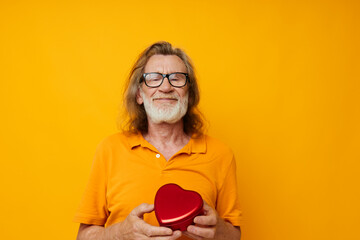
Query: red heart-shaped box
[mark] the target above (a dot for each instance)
(176, 207)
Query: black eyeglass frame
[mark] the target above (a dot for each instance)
(163, 77)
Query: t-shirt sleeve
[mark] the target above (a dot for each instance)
(93, 205)
(228, 205)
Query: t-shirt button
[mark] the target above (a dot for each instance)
(157, 155)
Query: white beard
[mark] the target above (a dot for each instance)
(167, 113)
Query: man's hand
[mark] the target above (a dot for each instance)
(133, 227)
(211, 226)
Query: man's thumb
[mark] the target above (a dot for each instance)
(143, 208)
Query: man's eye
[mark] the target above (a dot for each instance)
(178, 77)
(154, 78)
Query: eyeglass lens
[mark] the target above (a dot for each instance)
(175, 79)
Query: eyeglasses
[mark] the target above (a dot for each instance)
(176, 79)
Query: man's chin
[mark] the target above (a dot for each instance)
(166, 117)
(165, 109)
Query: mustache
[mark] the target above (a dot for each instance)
(161, 95)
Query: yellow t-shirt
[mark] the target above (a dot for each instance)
(127, 171)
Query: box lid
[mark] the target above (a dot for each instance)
(174, 204)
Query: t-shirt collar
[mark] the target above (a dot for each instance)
(195, 145)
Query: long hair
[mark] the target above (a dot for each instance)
(136, 119)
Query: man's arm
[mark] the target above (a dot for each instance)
(133, 227)
(211, 226)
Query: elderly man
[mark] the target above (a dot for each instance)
(163, 142)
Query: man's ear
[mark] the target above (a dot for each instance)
(139, 99)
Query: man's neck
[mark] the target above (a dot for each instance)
(167, 138)
(166, 134)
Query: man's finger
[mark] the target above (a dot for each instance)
(141, 209)
(210, 217)
(202, 232)
(206, 220)
(207, 208)
(152, 231)
(175, 235)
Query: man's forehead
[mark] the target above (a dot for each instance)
(165, 64)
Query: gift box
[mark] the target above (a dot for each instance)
(176, 207)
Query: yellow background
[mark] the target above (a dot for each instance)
(279, 83)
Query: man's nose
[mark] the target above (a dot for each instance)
(165, 86)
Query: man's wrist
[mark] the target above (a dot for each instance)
(112, 232)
